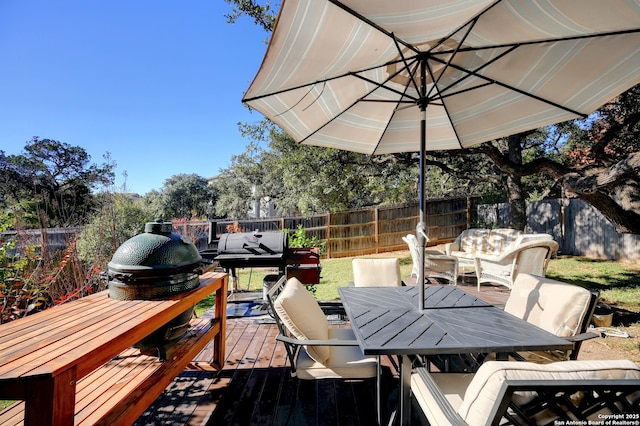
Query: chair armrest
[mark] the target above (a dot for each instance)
(440, 411)
(509, 254)
(330, 342)
(450, 247)
(432, 252)
(581, 337)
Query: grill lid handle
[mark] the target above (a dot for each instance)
(158, 227)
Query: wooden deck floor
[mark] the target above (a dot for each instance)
(255, 386)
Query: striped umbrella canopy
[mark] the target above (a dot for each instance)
(380, 77)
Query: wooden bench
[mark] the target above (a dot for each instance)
(73, 364)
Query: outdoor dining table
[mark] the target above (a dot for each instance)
(387, 321)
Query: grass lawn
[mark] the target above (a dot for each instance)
(618, 282)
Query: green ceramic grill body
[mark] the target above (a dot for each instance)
(156, 264)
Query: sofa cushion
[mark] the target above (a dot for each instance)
(489, 241)
(479, 404)
(302, 316)
(500, 240)
(473, 240)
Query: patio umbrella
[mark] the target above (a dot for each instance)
(380, 77)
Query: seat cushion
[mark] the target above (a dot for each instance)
(479, 404)
(452, 385)
(376, 272)
(302, 316)
(343, 362)
(557, 307)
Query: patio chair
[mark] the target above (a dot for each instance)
(526, 393)
(376, 272)
(315, 351)
(436, 263)
(560, 308)
(529, 257)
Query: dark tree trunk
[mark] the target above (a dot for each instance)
(515, 196)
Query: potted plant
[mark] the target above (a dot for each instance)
(303, 260)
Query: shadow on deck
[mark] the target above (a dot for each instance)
(255, 386)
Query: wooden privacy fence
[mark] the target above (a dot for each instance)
(366, 231)
(578, 227)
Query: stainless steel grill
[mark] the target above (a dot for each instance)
(265, 249)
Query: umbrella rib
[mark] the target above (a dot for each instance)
(301, 99)
(362, 99)
(383, 84)
(370, 23)
(469, 74)
(404, 61)
(541, 41)
(453, 127)
(474, 19)
(513, 88)
(325, 80)
(471, 24)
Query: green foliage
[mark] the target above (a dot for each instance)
(239, 184)
(307, 179)
(118, 219)
(262, 15)
(51, 181)
(187, 196)
(299, 239)
(33, 278)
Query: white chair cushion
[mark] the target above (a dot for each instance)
(343, 362)
(375, 272)
(300, 313)
(479, 404)
(500, 240)
(452, 385)
(474, 239)
(552, 305)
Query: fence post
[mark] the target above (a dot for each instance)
(376, 228)
(328, 243)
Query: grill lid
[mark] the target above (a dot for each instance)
(157, 251)
(248, 244)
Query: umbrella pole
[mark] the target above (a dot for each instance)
(422, 225)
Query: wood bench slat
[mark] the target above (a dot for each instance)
(120, 391)
(18, 350)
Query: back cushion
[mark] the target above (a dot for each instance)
(500, 240)
(555, 306)
(376, 272)
(474, 239)
(301, 315)
(479, 404)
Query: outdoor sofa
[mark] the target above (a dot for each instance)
(498, 255)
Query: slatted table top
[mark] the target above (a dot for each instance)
(435, 297)
(386, 321)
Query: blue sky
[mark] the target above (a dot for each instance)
(156, 83)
